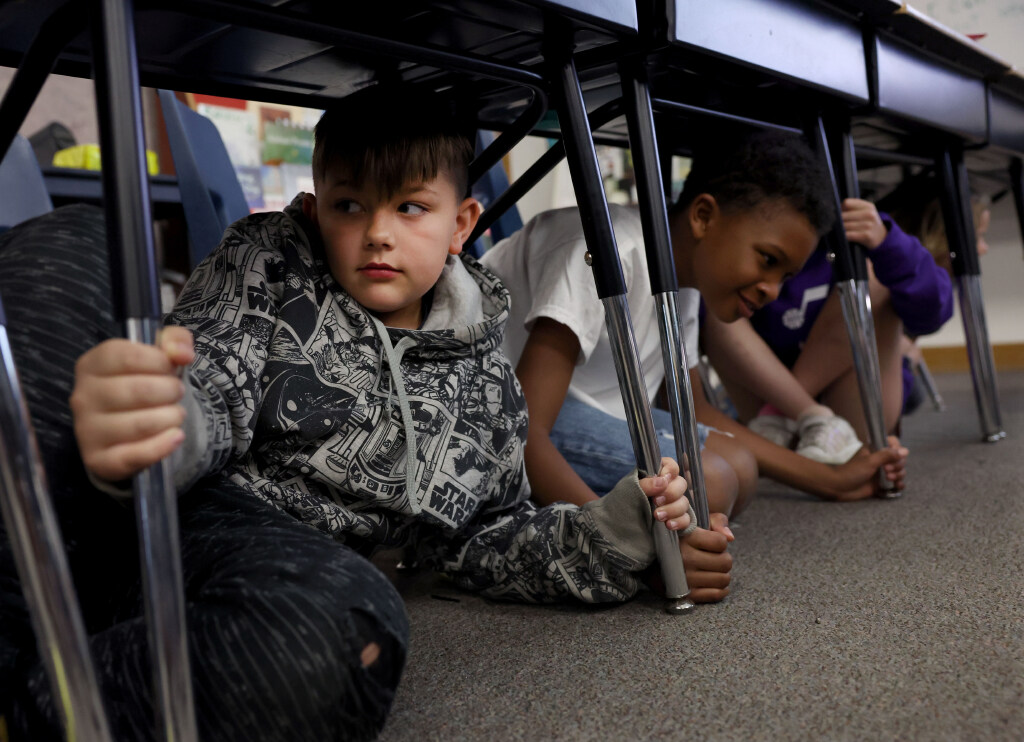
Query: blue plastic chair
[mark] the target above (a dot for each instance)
(23, 193)
(491, 185)
(211, 195)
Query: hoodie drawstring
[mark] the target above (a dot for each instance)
(394, 356)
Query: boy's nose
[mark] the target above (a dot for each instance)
(769, 291)
(379, 233)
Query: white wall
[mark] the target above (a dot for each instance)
(1002, 270)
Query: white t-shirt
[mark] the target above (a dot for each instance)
(544, 269)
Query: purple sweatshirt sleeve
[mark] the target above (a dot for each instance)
(922, 293)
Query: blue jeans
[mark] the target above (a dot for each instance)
(597, 445)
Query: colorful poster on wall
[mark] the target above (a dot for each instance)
(284, 143)
(237, 128)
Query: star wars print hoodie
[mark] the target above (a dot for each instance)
(385, 437)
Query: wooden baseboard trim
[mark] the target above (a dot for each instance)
(951, 358)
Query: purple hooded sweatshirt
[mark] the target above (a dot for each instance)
(922, 295)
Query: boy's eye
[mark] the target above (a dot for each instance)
(411, 209)
(769, 260)
(347, 206)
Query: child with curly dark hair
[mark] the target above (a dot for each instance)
(750, 214)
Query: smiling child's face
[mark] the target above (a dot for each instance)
(387, 251)
(740, 258)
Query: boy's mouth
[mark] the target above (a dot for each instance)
(379, 270)
(747, 307)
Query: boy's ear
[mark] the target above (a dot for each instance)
(309, 208)
(703, 211)
(469, 213)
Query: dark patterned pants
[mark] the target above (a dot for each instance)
(278, 614)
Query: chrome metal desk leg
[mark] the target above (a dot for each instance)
(600, 238)
(664, 283)
(137, 302)
(42, 564)
(963, 252)
(856, 303)
(979, 350)
(924, 374)
(851, 273)
(641, 426)
(680, 398)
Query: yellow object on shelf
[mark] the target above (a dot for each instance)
(87, 157)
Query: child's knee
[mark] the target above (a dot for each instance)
(721, 482)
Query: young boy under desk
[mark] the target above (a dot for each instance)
(750, 214)
(806, 387)
(345, 390)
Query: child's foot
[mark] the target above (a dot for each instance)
(828, 439)
(778, 429)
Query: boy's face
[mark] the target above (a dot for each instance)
(742, 257)
(387, 252)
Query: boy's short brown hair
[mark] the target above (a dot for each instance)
(394, 135)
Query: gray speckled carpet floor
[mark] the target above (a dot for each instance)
(877, 620)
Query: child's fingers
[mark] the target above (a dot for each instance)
(104, 430)
(117, 357)
(709, 541)
(675, 518)
(122, 461)
(720, 523)
(708, 595)
(672, 507)
(697, 579)
(669, 467)
(123, 393)
(177, 344)
(654, 486)
(707, 570)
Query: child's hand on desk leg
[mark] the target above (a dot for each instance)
(125, 403)
(858, 477)
(707, 562)
(862, 223)
(668, 491)
(705, 559)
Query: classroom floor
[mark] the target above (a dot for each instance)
(876, 620)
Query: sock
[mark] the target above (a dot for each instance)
(818, 410)
(770, 409)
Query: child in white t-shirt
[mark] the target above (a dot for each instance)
(749, 216)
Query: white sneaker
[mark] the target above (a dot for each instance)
(830, 440)
(778, 429)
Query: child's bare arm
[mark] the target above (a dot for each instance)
(735, 348)
(125, 403)
(544, 371)
(854, 480)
